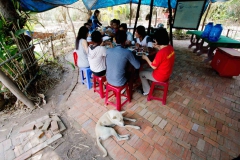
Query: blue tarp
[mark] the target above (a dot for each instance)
(43, 5)
(96, 4)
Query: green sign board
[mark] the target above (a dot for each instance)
(188, 14)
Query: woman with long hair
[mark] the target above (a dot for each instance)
(95, 21)
(142, 39)
(82, 47)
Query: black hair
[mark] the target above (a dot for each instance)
(116, 21)
(96, 37)
(141, 31)
(85, 24)
(124, 26)
(82, 34)
(89, 21)
(121, 37)
(161, 36)
(95, 12)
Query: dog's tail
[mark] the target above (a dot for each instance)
(101, 147)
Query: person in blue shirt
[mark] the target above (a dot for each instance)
(95, 21)
(117, 59)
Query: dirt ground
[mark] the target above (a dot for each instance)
(74, 145)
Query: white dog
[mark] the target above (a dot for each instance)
(104, 127)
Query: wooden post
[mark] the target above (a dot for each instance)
(130, 23)
(15, 90)
(137, 15)
(51, 39)
(150, 17)
(156, 18)
(209, 6)
(71, 23)
(170, 21)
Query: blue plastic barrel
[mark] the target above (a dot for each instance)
(207, 30)
(215, 33)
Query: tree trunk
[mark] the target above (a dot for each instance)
(14, 89)
(8, 11)
(9, 14)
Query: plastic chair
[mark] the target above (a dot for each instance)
(85, 73)
(165, 90)
(98, 83)
(118, 95)
(75, 57)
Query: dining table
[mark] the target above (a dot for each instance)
(197, 41)
(132, 73)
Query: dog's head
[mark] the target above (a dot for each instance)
(116, 117)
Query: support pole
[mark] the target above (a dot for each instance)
(130, 23)
(156, 18)
(209, 6)
(170, 21)
(137, 15)
(14, 89)
(150, 17)
(71, 23)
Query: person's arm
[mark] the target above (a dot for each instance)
(97, 22)
(85, 45)
(103, 51)
(133, 61)
(148, 61)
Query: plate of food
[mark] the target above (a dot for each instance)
(132, 48)
(141, 53)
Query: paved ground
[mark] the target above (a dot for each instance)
(180, 129)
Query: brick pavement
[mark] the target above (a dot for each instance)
(181, 129)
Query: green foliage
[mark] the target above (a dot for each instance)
(227, 12)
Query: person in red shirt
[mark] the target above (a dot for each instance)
(162, 65)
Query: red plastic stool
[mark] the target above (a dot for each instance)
(117, 93)
(98, 82)
(165, 90)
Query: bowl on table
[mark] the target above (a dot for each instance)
(141, 53)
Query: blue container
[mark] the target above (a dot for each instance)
(215, 33)
(207, 30)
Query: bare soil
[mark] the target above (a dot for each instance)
(74, 145)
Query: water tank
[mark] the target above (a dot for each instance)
(207, 30)
(215, 33)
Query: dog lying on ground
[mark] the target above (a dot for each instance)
(104, 128)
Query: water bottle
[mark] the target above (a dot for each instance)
(215, 33)
(207, 30)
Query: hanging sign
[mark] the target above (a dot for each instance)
(188, 14)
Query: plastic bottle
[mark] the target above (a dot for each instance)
(207, 30)
(215, 33)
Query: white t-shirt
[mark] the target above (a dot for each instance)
(146, 42)
(97, 58)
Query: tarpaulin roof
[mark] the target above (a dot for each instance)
(43, 5)
(96, 4)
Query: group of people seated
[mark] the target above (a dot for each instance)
(112, 62)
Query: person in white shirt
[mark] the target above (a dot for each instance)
(82, 47)
(142, 39)
(123, 27)
(97, 55)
